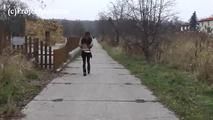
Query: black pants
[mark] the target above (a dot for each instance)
(86, 59)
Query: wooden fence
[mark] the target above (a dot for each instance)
(4, 36)
(61, 55)
(43, 55)
(39, 51)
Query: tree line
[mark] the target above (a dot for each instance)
(140, 22)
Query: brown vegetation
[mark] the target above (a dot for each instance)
(191, 52)
(141, 20)
(4, 36)
(38, 28)
(19, 82)
(148, 29)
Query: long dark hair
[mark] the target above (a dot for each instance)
(87, 39)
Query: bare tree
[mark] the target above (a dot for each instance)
(72, 28)
(143, 19)
(15, 22)
(148, 16)
(116, 16)
(101, 25)
(104, 27)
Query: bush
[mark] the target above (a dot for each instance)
(13, 81)
(190, 51)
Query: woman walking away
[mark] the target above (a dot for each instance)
(86, 44)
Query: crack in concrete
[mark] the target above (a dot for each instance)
(69, 83)
(66, 73)
(124, 74)
(55, 83)
(121, 68)
(104, 101)
(131, 84)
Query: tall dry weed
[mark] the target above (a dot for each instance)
(189, 51)
(192, 52)
(12, 76)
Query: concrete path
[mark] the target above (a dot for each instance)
(109, 93)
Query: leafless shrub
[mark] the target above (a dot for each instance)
(12, 76)
(191, 51)
(141, 19)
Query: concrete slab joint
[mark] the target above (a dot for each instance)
(110, 92)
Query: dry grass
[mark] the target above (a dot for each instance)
(192, 52)
(37, 28)
(19, 83)
(12, 78)
(180, 91)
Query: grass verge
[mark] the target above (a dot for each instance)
(19, 83)
(180, 91)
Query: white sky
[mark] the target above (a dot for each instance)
(89, 9)
(185, 8)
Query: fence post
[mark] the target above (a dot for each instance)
(41, 54)
(50, 57)
(30, 47)
(54, 60)
(25, 46)
(36, 52)
(46, 50)
(22, 48)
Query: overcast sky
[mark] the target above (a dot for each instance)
(89, 9)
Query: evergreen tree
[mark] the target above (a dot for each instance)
(193, 22)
